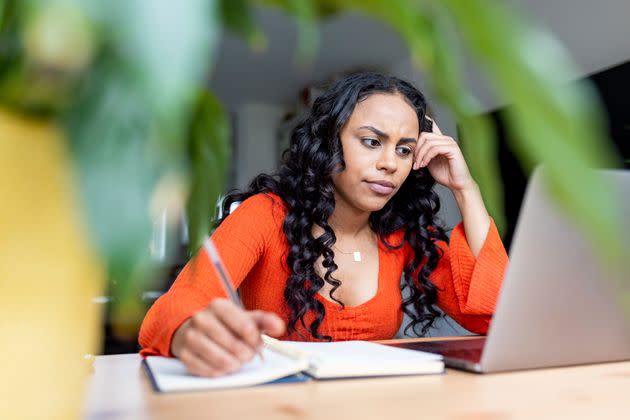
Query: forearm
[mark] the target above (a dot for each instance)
(475, 217)
(163, 319)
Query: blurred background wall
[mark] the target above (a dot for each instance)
(265, 93)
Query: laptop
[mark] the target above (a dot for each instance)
(557, 305)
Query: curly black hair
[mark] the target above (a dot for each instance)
(304, 182)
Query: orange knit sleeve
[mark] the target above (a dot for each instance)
(240, 240)
(468, 287)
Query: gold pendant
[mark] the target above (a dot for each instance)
(357, 256)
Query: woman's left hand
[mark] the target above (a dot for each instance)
(443, 158)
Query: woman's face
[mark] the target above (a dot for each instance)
(378, 142)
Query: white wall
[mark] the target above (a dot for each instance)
(276, 76)
(255, 142)
(596, 33)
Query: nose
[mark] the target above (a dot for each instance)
(387, 161)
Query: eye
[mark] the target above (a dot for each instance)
(404, 150)
(371, 143)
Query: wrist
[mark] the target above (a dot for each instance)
(177, 338)
(465, 193)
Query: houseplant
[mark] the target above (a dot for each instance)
(103, 114)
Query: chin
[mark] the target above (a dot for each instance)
(373, 204)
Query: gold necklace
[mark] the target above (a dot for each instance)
(356, 255)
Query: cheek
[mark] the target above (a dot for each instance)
(345, 180)
(357, 162)
(348, 180)
(405, 168)
(404, 171)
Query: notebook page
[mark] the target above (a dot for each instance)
(362, 358)
(170, 374)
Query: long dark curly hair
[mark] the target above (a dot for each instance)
(304, 182)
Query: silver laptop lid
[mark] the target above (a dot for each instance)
(556, 306)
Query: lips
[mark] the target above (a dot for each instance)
(381, 187)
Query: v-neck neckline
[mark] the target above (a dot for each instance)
(379, 287)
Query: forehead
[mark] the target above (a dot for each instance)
(387, 112)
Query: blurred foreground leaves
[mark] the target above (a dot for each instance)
(126, 79)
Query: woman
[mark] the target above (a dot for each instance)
(317, 251)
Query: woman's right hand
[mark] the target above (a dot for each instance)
(220, 338)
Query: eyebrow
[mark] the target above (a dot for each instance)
(385, 135)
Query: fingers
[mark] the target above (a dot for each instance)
(428, 142)
(239, 322)
(204, 357)
(270, 323)
(220, 338)
(445, 150)
(210, 326)
(197, 366)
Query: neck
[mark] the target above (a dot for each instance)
(348, 221)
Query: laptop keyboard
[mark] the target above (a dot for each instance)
(469, 349)
(466, 354)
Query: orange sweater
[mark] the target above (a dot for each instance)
(253, 247)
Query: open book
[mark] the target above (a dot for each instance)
(343, 359)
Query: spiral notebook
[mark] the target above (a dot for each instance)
(298, 361)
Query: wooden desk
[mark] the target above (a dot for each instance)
(120, 389)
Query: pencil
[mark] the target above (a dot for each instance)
(212, 252)
(284, 349)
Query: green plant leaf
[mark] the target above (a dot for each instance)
(480, 149)
(111, 131)
(479, 138)
(551, 121)
(168, 46)
(128, 127)
(306, 14)
(308, 33)
(236, 15)
(10, 45)
(209, 140)
(44, 49)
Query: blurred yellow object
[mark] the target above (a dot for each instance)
(49, 274)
